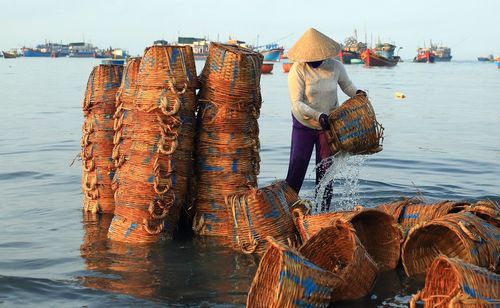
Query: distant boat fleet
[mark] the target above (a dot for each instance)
(352, 52)
(73, 50)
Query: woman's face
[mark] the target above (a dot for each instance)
(315, 64)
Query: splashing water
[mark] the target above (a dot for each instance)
(340, 180)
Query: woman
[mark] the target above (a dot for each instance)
(312, 85)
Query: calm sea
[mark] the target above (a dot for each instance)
(441, 142)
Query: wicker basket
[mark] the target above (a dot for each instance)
(260, 213)
(451, 282)
(395, 208)
(487, 210)
(414, 214)
(227, 145)
(286, 279)
(354, 128)
(377, 231)
(98, 107)
(461, 235)
(338, 249)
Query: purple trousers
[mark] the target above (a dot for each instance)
(304, 139)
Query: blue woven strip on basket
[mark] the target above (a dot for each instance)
(173, 56)
(274, 207)
(215, 206)
(234, 165)
(204, 167)
(211, 217)
(132, 227)
(471, 292)
(354, 123)
(356, 134)
(307, 284)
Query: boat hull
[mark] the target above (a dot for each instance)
(444, 59)
(371, 59)
(9, 55)
(346, 57)
(266, 68)
(425, 58)
(82, 54)
(272, 55)
(36, 53)
(287, 66)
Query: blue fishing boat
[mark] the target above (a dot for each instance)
(46, 50)
(489, 58)
(82, 50)
(271, 52)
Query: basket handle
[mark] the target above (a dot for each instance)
(471, 234)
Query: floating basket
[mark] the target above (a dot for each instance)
(354, 128)
(338, 249)
(451, 282)
(98, 169)
(461, 235)
(378, 232)
(260, 213)
(151, 193)
(413, 214)
(227, 148)
(487, 210)
(286, 279)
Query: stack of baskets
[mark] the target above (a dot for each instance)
(97, 141)
(354, 128)
(259, 213)
(153, 183)
(227, 148)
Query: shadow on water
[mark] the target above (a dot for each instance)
(192, 272)
(184, 272)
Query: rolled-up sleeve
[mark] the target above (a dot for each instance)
(345, 83)
(296, 87)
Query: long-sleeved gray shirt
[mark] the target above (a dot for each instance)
(313, 91)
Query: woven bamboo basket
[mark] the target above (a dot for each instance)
(414, 214)
(97, 138)
(227, 145)
(451, 282)
(150, 194)
(337, 249)
(354, 128)
(286, 279)
(461, 235)
(378, 232)
(259, 213)
(487, 210)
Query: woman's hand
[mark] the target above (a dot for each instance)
(323, 121)
(361, 92)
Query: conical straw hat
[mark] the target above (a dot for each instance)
(313, 46)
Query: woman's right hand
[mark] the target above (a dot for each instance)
(323, 121)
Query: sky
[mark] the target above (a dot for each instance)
(471, 29)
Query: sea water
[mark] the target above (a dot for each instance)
(441, 142)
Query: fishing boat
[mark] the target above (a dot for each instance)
(497, 61)
(266, 68)
(287, 66)
(489, 58)
(351, 52)
(381, 55)
(46, 50)
(11, 54)
(271, 52)
(424, 55)
(199, 45)
(442, 53)
(82, 50)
